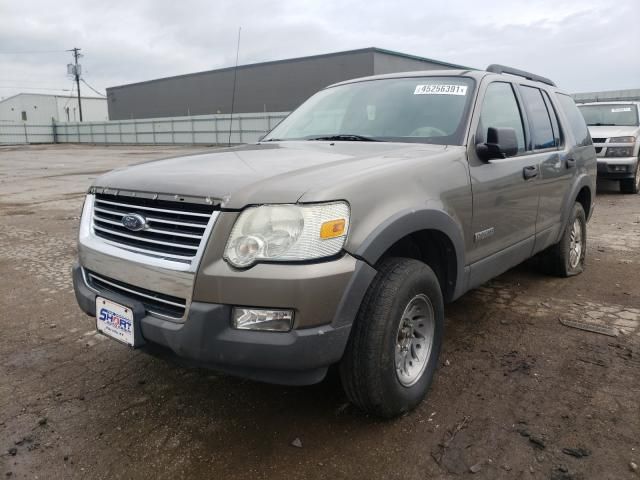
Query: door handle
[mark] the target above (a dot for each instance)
(530, 172)
(571, 162)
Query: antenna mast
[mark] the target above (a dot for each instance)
(233, 95)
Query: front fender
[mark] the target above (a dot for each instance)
(407, 222)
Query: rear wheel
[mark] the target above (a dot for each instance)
(395, 343)
(631, 185)
(566, 258)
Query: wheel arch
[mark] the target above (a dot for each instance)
(431, 236)
(583, 191)
(584, 199)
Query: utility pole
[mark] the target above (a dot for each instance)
(76, 74)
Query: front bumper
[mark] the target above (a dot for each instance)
(205, 337)
(617, 168)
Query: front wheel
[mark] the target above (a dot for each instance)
(631, 185)
(395, 343)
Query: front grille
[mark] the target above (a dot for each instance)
(598, 149)
(154, 302)
(173, 229)
(599, 140)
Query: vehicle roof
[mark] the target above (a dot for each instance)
(477, 74)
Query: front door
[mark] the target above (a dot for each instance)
(505, 191)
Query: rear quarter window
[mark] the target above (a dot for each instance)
(576, 121)
(539, 119)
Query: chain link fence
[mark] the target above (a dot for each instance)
(217, 129)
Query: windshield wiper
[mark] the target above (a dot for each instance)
(602, 125)
(346, 137)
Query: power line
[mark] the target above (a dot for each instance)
(96, 91)
(70, 95)
(35, 88)
(33, 52)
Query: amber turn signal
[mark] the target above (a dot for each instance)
(332, 228)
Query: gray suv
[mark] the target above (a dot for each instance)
(339, 237)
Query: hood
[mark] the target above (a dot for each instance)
(612, 131)
(263, 173)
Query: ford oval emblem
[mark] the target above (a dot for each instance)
(134, 222)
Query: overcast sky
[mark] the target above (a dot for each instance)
(583, 45)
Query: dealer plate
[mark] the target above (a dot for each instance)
(115, 321)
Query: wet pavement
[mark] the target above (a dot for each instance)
(519, 394)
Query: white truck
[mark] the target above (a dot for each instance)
(615, 130)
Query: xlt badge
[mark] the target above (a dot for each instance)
(482, 234)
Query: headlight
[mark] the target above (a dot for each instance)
(619, 152)
(630, 139)
(287, 233)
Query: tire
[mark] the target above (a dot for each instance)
(565, 259)
(631, 185)
(407, 292)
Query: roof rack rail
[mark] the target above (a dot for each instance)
(495, 68)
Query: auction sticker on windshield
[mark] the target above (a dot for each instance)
(115, 320)
(622, 109)
(439, 89)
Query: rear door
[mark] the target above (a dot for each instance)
(505, 200)
(555, 164)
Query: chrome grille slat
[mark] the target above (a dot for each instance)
(182, 224)
(173, 230)
(177, 212)
(154, 219)
(183, 258)
(142, 239)
(152, 230)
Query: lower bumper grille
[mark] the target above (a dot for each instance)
(154, 302)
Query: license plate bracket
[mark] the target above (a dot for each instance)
(120, 320)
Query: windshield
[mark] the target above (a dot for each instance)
(419, 109)
(610, 114)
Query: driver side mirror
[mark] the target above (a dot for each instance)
(501, 143)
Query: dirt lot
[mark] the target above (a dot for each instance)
(518, 395)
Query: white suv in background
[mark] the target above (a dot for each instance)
(615, 130)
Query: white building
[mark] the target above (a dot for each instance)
(42, 109)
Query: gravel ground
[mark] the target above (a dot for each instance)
(518, 395)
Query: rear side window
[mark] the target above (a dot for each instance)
(541, 129)
(576, 120)
(555, 123)
(500, 109)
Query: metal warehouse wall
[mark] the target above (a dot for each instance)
(390, 63)
(278, 86)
